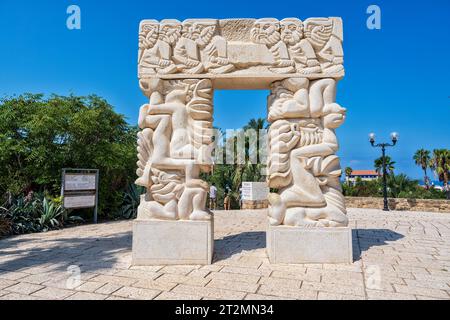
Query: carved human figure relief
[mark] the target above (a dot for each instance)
(266, 46)
(325, 35)
(267, 31)
(300, 50)
(302, 161)
(157, 44)
(177, 126)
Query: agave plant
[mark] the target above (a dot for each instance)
(51, 215)
(20, 215)
(131, 200)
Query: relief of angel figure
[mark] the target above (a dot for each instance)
(267, 31)
(303, 164)
(168, 164)
(325, 35)
(156, 43)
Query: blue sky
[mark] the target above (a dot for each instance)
(397, 78)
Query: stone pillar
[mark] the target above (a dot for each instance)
(173, 225)
(307, 217)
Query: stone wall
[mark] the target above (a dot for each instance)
(428, 205)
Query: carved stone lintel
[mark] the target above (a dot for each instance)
(241, 48)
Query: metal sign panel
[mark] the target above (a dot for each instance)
(79, 201)
(79, 189)
(78, 182)
(255, 191)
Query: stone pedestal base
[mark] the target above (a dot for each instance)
(159, 242)
(298, 245)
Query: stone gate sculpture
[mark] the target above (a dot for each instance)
(179, 66)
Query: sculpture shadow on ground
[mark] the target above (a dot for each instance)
(364, 239)
(57, 254)
(231, 245)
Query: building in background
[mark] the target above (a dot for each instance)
(365, 175)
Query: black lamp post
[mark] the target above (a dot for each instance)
(394, 137)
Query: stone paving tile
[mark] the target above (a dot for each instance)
(12, 275)
(428, 292)
(189, 280)
(311, 276)
(123, 281)
(298, 294)
(334, 288)
(137, 293)
(383, 295)
(233, 285)
(53, 293)
(282, 282)
(19, 296)
(409, 251)
(87, 296)
(155, 284)
(176, 296)
(90, 286)
(233, 277)
(24, 288)
(252, 296)
(6, 283)
(336, 296)
(209, 292)
(108, 288)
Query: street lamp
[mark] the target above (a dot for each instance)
(394, 138)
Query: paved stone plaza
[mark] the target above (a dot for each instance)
(397, 255)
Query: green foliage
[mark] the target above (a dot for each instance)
(131, 200)
(40, 136)
(33, 213)
(422, 159)
(398, 186)
(50, 213)
(440, 163)
(232, 175)
(390, 165)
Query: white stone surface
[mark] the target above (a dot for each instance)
(303, 164)
(299, 245)
(234, 49)
(158, 242)
(180, 64)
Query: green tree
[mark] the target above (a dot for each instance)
(348, 171)
(400, 184)
(40, 136)
(440, 163)
(422, 159)
(390, 165)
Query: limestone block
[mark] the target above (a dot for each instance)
(244, 50)
(159, 242)
(298, 245)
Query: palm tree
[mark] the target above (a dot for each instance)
(253, 171)
(422, 159)
(378, 163)
(440, 163)
(348, 172)
(400, 183)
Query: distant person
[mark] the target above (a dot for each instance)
(240, 198)
(227, 202)
(212, 197)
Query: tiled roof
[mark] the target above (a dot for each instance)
(364, 173)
